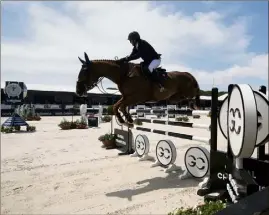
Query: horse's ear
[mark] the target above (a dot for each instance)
(86, 58)
(82, 61)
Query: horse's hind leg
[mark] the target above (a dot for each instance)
(192, 99)
(116, 112)
(176, 98)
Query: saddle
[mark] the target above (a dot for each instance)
(158, 73)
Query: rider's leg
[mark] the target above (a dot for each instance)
(153, 65)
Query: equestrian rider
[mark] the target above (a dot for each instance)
(142, 49)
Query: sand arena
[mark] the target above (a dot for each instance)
(67, 172)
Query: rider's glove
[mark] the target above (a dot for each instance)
(123, 60)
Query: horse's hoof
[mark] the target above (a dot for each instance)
(131, 125)
(130, 122)
(126, 124)
(120, 123)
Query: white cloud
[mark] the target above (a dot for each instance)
(47, 58)
(256, 67)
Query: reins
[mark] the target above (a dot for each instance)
(101, 88)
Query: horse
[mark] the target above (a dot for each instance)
(134, 86)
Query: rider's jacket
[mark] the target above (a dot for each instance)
(144, 50)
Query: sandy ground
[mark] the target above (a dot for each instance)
(53, 171)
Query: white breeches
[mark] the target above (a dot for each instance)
(154, 64)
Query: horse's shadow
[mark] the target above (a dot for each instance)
(170, 181)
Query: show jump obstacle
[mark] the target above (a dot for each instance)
(245, 180)
(243, 120)
(141, 143)
(166, 147)
(246, 126)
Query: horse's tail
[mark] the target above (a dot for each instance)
(197, 102)
(196, 96)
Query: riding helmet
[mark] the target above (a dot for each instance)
(134, 36)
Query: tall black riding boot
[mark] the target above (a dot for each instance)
(156, 79)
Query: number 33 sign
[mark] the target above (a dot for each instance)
(242, 121)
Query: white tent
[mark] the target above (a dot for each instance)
(221, 98)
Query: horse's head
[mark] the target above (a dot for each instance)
(87, 78)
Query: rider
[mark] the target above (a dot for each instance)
(142, 49)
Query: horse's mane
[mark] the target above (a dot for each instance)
(104, 60)
(109, 61)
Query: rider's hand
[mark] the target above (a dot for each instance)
(123, 60)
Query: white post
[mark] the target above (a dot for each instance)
(83, 112)
(100, 113)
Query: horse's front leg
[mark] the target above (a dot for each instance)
(131, 100)
(127, 115)
(116, 112)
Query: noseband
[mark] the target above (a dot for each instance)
(86, 87)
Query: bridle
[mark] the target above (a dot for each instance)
(102, 90)
(87, 88)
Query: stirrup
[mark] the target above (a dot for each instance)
(161, 88)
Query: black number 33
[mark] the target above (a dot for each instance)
(232, 128)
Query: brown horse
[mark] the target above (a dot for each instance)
(134, 86)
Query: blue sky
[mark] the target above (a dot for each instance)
(257, 10)
(227, 41)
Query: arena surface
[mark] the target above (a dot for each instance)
(67, 172)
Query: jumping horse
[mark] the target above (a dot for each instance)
(134, 86)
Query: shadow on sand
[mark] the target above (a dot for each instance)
(170, 181)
